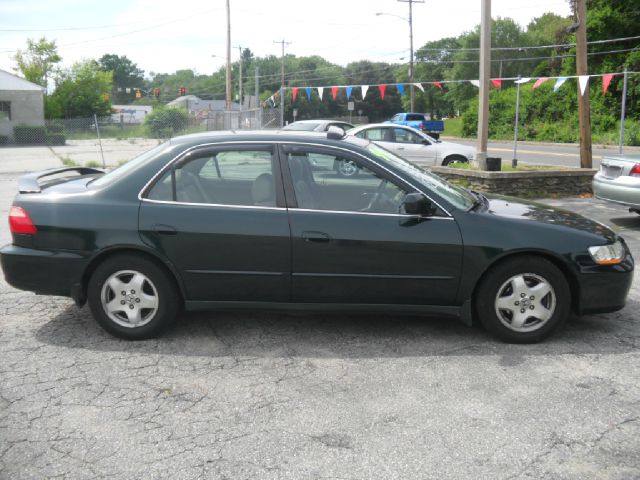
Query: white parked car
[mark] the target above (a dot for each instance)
(413, 145)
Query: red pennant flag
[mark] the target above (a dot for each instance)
(334, 92)
(606, 80)
(382, 88)
(439, 85)
(540, 81)
(497, 82)
(294, 92)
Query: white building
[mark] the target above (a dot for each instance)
(21, 103)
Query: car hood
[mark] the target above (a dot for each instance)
(459, 148)
(511, 207)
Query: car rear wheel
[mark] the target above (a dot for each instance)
(454, 158)
(132, 297)
(523, 300)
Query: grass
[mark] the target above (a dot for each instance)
(453, 127)
(506, 167)
(68, 162)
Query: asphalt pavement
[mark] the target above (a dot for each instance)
(271, 396)
(537, 153)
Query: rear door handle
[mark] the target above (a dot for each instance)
(164, 229)
(316, 237)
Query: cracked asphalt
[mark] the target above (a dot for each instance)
(271, 396)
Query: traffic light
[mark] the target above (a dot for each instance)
(183, 91)
(156, 92)
(138, 93)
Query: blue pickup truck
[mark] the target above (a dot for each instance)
(420, 122)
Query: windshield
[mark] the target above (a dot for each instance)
(457, 196)
(122, 170)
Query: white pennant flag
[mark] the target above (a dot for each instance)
(364, 90)
(584, 81)
(419, 85)
(475, 83)
(320, 92)
(523, 80)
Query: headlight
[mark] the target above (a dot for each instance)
(608, 254)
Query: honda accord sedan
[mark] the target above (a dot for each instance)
(242, 220)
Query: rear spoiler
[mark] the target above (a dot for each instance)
(29, 183)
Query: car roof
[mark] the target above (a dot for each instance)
(222, 136)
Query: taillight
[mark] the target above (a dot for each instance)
(635, 171)
(20, 222)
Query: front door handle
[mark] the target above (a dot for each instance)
(164, 229)
(319, 237)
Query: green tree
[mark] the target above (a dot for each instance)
(81, 91)
(38, 61)
(125, 73)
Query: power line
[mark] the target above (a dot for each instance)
(532, 47)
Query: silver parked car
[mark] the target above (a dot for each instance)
(317, 125)
(618, 181)
(413, 145)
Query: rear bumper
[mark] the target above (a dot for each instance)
(605, 289)
(624, 189)
(41, 271)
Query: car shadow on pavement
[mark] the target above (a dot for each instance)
(632, 223)
(212, 334)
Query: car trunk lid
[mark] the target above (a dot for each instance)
(614, 167)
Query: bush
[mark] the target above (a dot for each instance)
(4, 139)
(55, 126)
(56, 139)
(25, 134)
(166, 122)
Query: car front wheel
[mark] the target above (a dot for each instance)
(523, 300)
(132, 297)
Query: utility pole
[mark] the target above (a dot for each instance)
(240, 77)
(485, 75)
(412, 86)
(623, 110)
(228, 74)
(583, 100)
(283, 42)
(257, 95)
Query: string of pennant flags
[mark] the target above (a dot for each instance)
(583, 81)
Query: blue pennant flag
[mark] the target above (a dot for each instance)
(400, 89)
(349, 92)
(308, 90)
(559, 83)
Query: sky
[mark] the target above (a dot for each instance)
(162, 36)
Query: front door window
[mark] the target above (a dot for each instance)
(334, 183)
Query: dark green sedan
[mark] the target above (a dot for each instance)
(243, 221)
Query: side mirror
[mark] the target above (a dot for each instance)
(417, 204)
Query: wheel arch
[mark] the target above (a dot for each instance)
(79, 291)
(453, 157)
(556, 260)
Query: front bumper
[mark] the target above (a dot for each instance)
(604, 288)
(623, 189)
(41, 271)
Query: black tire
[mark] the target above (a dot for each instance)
(158, 286)
(434, 135)
(454, 158)
(498, 282)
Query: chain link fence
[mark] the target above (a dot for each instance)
(159, 125)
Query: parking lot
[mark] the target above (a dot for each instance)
(272, 396)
